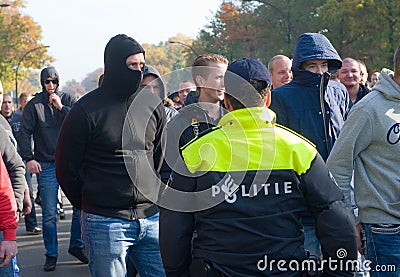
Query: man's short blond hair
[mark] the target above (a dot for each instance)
(200, 64)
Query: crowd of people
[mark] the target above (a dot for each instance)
(287, 169)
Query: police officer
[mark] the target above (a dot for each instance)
(248, 181)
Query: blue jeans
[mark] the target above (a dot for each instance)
(8, 270)
(311, 242)
(48, 187)
(30, 219)
(383, 249)
(76, 240)
(109, 241)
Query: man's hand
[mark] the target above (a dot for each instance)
(8, 250)
(33, 167)
(27, 207)
(56, 101)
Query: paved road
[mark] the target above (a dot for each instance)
(31, 250)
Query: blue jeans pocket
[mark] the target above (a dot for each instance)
(383, 249)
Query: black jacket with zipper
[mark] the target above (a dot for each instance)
(42, 120)
(191, 121)
(109, 151)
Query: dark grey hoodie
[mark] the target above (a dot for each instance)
(169, 110)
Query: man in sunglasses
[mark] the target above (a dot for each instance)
(42, 119)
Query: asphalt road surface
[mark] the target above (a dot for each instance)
(31, 249)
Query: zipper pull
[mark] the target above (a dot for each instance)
(195, 126)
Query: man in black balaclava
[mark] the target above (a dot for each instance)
(108, 157)
(42, 119)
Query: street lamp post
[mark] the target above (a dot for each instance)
(282, 14)
(186, 45)
(19, 63)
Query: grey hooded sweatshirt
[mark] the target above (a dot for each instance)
(169, 110)
(369, 143)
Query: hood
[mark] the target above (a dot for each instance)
(314, 46)
(387, 86)
(118, 78)
(49, 72)
(149, 70)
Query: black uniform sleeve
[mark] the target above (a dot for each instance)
(176, 230)
(335, 224)
(336, 232)
(71, 147)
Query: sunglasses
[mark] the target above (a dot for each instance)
(55, 82)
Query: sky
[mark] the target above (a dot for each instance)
(77, 31)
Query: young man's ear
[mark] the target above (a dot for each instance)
(268, 100)
(199, 80)
(227, 104)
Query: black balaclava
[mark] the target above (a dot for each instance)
(49, 72)
(118, 78)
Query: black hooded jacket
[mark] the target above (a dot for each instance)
(44, 121)
(109, 151)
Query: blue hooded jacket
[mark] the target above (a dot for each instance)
(311, 105)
